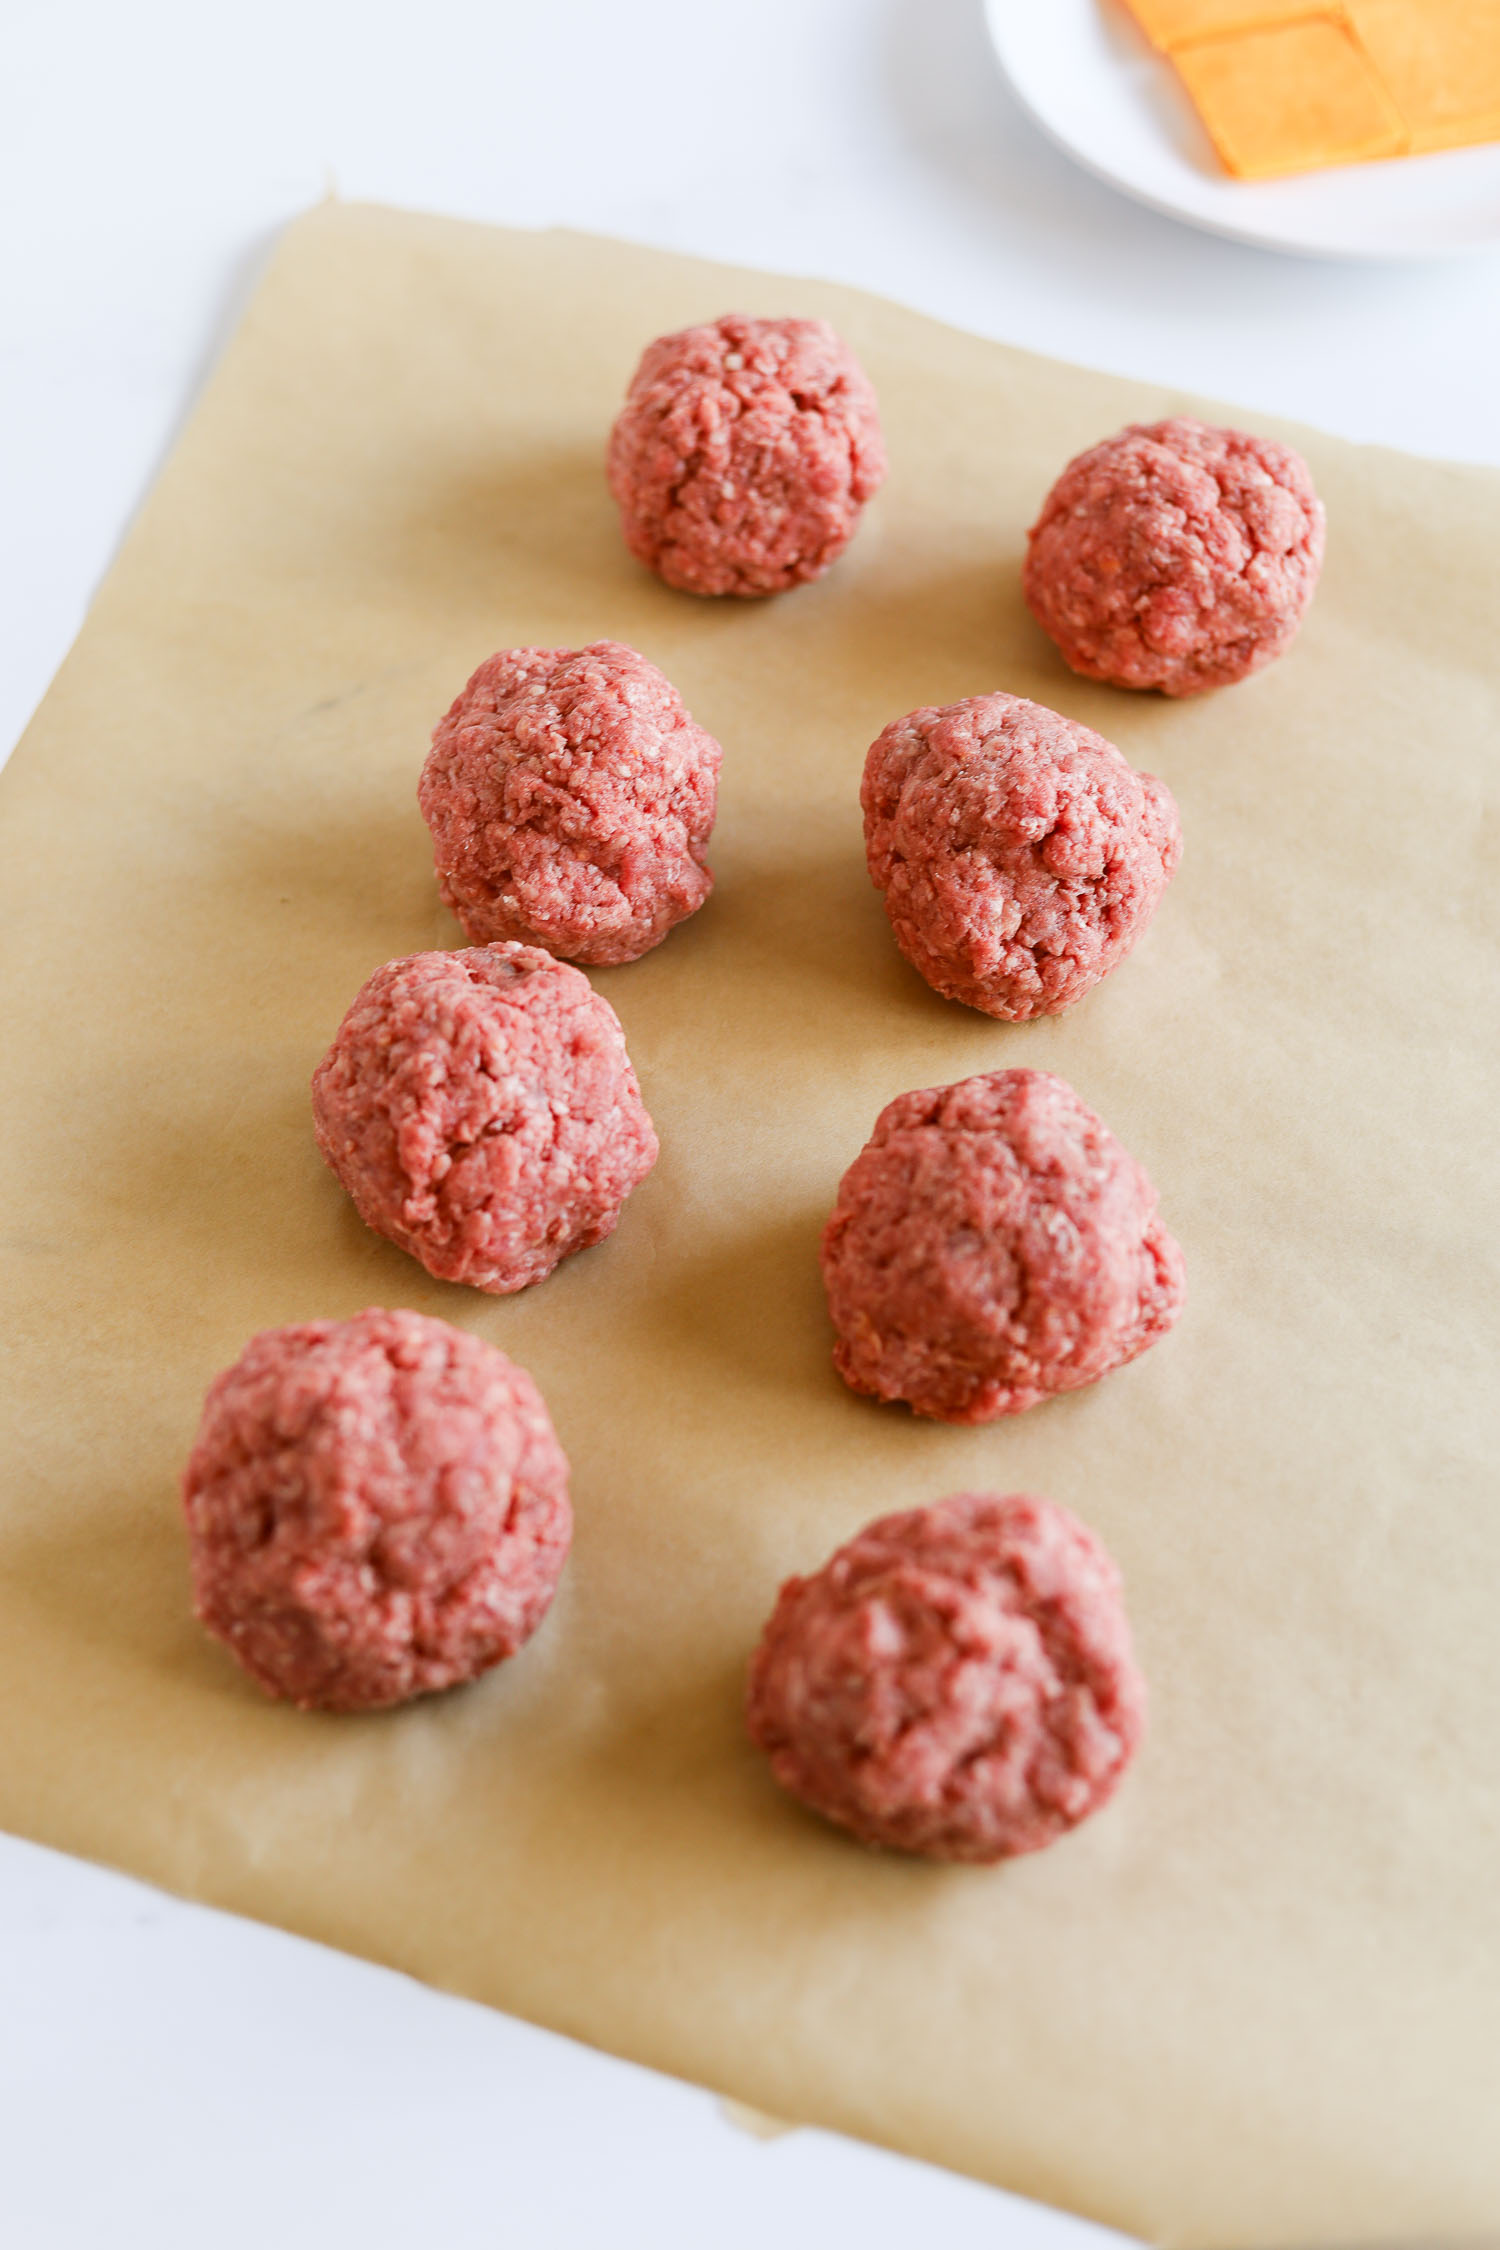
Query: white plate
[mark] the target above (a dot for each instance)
(1087, 75)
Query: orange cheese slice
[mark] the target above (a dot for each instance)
(1174, 23)
(1440, 60)
(1290, 99)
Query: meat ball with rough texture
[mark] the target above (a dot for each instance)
(377, 1508)
(744, 453)
(991, 1246)
(570, 799)
(1176, 556)
(956, 1681)
(481, 1110)
(1019, 854)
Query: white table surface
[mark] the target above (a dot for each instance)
(170, 2076)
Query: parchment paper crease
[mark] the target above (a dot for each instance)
(1258, 2001)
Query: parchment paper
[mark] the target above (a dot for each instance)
(1258, 2000)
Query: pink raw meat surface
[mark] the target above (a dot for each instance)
(481, 1110)
(377, 1508)
(956, 1681)
(1020, 855)
(744, 453)
(570, 799)
(992, 1245)
(1176, 556)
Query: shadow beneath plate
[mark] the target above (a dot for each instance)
(960, 116)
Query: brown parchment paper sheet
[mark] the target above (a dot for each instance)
(1258, 2000)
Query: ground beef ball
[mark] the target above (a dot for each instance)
(376, 1507)
(956, 1681)
(481, 1110)
(743, 454)
(570, 799)
(991, 1245)
(1176, 556)
(1020, 855)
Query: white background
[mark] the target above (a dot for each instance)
(168, 2076)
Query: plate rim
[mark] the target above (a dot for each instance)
(999, 17)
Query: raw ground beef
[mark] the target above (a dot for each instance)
(744, 453)
(1020, 855)
(992, 1245)
(570, 799)
(1176, 556)
(377, 1508)
(956, 1681)
(481, 1110)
